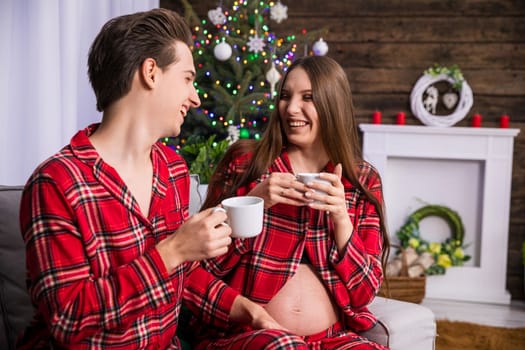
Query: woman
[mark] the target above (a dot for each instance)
(318, 262)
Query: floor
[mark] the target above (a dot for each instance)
(512, 315)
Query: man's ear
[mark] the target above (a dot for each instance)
(148, 72)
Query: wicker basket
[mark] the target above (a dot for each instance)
(411, 289)
(404, 288)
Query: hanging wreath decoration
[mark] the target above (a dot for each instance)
(425, 96)
(447, 253)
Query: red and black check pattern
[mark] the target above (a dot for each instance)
(95, 277)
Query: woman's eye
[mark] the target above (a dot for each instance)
(307, 97)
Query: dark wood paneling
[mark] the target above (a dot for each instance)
(410, 29)
(385, 8)
(421, 55)
(385, 46)
(396, 8)
(483, 82)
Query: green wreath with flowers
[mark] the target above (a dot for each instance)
(453, 72)
(448, 253)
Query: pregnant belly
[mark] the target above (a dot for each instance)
(303, 305)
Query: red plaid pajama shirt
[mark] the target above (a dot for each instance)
(259, 267)
(95, 277)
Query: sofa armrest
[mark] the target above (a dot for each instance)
(15, 304)
(402, 325)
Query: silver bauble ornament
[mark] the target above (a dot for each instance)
(320, 47)
(222, 51)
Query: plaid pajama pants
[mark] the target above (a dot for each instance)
(332, 338)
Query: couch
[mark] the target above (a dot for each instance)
(402, 326)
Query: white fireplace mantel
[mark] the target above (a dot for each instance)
(466, 169)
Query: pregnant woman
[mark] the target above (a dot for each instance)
(318, 262)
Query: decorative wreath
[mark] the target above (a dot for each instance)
(447, 253)
(422, 107)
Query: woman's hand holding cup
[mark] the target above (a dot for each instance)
(280, 188)
(312, 180)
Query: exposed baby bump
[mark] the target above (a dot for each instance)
(303, 305)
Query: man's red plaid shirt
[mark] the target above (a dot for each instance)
(95, 277)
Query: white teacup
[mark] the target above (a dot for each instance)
(245, 215)
(312, 177)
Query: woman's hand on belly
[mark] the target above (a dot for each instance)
(245, 311)
(303, 305)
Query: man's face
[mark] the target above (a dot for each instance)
(176, 92)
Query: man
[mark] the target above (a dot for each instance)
(109, 253)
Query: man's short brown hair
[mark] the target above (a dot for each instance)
(125, 42)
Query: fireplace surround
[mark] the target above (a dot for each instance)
(466, 169)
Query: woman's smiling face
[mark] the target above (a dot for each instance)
(298, 114)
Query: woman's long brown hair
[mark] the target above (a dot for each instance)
(332, 98)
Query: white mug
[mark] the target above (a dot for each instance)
(306, 178)
(245, 215)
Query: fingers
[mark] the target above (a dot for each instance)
(205, 235)
(278, 183)
(272, 324)
(338, 170)
(219, 246)
(335, 177)
(333, 198)
(280, 188)
(216, 216)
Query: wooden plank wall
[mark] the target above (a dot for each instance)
(385, 45)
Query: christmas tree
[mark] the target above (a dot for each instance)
(239, 61)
